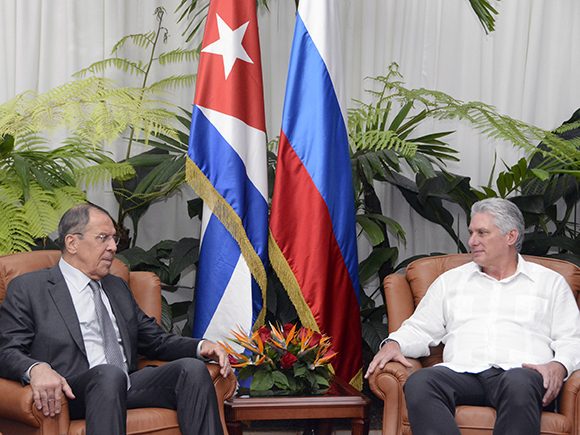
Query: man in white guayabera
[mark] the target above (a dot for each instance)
(511, 330)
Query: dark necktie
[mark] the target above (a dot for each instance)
(111, 346)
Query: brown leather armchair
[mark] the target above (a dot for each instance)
(17, 413)
(403, 292)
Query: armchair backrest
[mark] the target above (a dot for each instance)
(404, 291)
(145, 286)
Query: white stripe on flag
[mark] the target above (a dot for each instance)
(235, 303)
(244, 140)
(321, 19)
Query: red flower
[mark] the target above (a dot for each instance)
(315, 339)
(287, 328)
(264, 333)
(232, 359)
(288, 360)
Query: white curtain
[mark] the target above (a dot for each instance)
(528, 68)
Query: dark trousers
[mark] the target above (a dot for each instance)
(185, 385)
(433, 393)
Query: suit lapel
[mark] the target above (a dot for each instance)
(61, 296)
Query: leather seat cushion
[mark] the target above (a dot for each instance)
(151, 421)
(474, 420)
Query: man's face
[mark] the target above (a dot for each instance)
(489, 247)
(94, 250)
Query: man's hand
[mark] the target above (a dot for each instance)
(47, 388)
(215, 352)
(553, 374)
(391, 351)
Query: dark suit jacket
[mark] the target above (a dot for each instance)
(38, 322)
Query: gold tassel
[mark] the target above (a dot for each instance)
(230, 219)
(289, 282)
(357, 380)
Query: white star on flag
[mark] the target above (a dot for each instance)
(229, 45)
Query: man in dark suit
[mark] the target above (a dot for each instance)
(75, 329)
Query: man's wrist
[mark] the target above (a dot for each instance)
(26, 376)
(388, 340)
(198, 350)
(561, 364)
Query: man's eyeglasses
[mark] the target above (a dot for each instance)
(104, 238)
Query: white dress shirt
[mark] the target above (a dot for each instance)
(82, 296)
(530, 317)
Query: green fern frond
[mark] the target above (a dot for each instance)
(564, 128)
(486, 120)
(142, 40)
(92, 175)
(39, 212)
(173, 82)
(66, 197)
(386, 139)
(119, 63)
(178, 55)
(14, 235)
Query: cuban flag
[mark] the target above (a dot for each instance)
(312, 221)
(227, 169)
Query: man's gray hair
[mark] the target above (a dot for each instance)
(75, 220)
(506, 214)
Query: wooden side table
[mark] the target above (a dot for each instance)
(341, 401)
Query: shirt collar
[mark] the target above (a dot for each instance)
(74, 277)
(522, 268)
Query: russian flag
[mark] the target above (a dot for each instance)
(227, 169)
(312, 221)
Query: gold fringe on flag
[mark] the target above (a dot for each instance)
(357, 380)
(230, 219)
(288, 280)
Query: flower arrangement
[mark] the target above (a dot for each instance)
(283, 360)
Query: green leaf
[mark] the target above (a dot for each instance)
(299, 370)
(373, 231)
(280, 380)
(184, 255)
(6, 145)
(179, 310)
(194, 207)
(541, 174)
(321, 380)
(263, 380)
(371, 265)
(401, 116)
(374, 332)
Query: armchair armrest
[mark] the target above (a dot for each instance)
(387, 384)
(17, 409)
(224, 388)
(569, 398)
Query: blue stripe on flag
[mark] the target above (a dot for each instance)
(225, 170)
(219, 254)
(309, 88)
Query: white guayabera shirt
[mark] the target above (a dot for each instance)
(530, 317)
